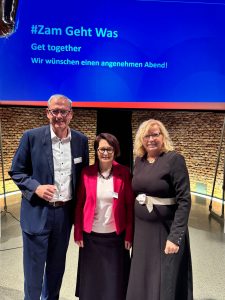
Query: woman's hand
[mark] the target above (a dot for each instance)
(171, 248)
(127, 245)
(80, 243)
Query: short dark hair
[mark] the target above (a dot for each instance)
(111, 139)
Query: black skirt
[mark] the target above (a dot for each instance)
(103, 267)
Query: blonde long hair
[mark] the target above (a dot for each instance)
(143, 129)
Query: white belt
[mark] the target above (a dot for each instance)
(149, 201)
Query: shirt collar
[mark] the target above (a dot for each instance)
(54, 137)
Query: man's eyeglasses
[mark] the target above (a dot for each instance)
(103, 150)
(152, 135)
(56, 112)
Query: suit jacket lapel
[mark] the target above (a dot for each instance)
(73, 155)
(47, 147)
(73, 146)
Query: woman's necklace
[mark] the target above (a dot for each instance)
(151, 160)
(105, 177)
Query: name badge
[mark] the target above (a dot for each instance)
(77, 160)
(115, 195)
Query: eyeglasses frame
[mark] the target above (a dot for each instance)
(153, 136)
(102, 151)
(59, 112)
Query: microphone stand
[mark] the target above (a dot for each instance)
(3, 175)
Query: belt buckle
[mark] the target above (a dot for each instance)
(149, 203)
(52, 203)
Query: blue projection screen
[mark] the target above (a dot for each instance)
(128, 54)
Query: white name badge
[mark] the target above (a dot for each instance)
(77, 160)
(115, 195)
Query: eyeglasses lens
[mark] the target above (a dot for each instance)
(103, 150)
(153, 136)
(56, 112)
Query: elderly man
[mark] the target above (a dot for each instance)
(46, 168)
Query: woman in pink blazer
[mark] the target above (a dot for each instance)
(104, 224)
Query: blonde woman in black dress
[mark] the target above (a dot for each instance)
(161, 260)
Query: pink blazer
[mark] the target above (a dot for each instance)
(123, 207)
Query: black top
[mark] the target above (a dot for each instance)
(166, 177)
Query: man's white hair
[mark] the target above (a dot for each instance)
(59, 96)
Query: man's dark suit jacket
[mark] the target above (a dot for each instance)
(32, 165)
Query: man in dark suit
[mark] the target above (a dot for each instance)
(46, 168)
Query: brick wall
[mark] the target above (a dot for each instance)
(195, 134)
(15, 120)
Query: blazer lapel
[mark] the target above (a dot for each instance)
(117, 179)
(47, 147)
(74, 146)
(93, 183)
(74, 154)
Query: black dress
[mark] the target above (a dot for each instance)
(155, 275)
